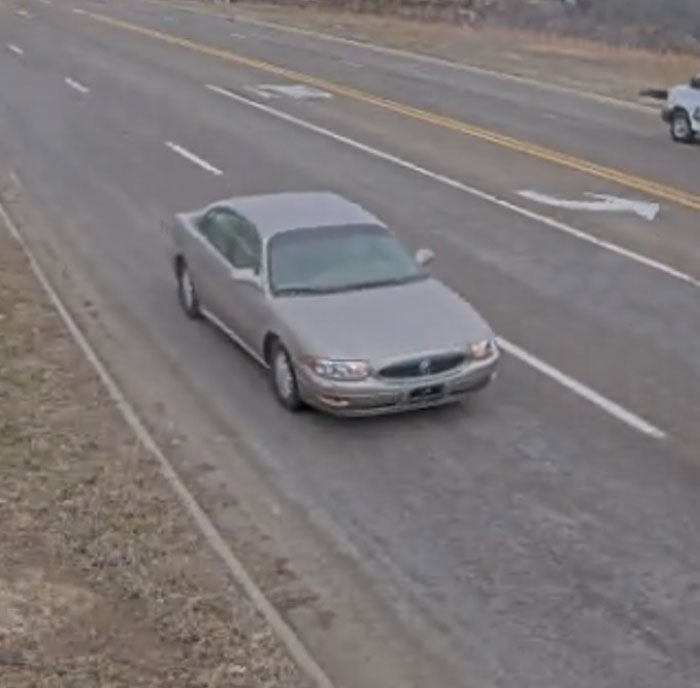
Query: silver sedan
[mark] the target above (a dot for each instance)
(319, 291)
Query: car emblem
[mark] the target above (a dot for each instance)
(424, 366)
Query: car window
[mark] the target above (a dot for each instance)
(234, 237)
(210, 227)
(344, 258)
(248, 246)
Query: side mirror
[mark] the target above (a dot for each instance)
(695, 82)
(254, 266)
(249, 275)
(424, 256)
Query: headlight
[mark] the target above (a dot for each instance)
(339, 370)
(482, 349)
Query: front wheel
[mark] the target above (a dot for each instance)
(187, 294)
(681, 128)
(284, 379)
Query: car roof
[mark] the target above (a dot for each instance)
(280, 212)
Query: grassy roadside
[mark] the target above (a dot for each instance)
(606, 70)
(103, 580)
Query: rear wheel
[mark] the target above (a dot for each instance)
(681, 128)
(187, 294)
(284, 379)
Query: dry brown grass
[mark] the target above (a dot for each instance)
(103, 581)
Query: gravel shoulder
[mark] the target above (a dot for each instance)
(605, 70)
(103, 580)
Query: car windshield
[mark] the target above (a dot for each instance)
(332, 259)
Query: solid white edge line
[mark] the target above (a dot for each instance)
(477, 193)
(15, 49)
(195, 159)
(451, 64)
(578, 388)
(76, 86)
(296, 648)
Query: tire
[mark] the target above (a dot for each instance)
(283, 379)
(681, 127)
(187, 294)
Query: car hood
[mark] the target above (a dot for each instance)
(382, 323)
(685, 94)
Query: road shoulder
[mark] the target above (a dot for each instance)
(103, 577)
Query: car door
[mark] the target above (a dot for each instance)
(210, 263)
(198, 254)
(246, 308)
(694, 103)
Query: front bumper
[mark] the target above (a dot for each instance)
(666, 115)
(375, 396)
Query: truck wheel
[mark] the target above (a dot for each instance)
(681, 128)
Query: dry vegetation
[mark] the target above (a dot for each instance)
(103, 581)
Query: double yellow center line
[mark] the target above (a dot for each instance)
(652, 188)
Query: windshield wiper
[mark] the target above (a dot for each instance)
(299, 291)
(392, 282)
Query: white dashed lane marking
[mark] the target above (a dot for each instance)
(76, 86)
(195, 159)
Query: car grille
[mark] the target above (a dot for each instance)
(423, 366)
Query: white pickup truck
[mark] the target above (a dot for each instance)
(682, 111)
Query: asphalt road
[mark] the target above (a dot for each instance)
(545, 535)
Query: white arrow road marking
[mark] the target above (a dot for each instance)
(15, 49)
(260, 93)
(295, 91)
(24, 13)
(599, 203)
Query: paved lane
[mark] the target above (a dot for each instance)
(599, 134)
(528, 540)
(671, 239)
(665, 393)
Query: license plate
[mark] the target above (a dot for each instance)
(424, 393)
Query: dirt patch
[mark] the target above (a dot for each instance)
(604, 69)
(103, 580)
